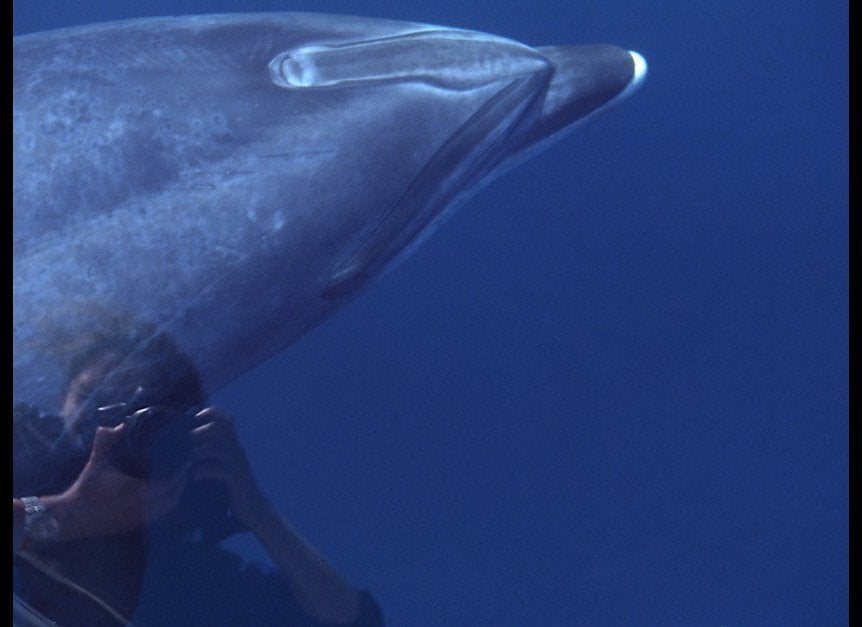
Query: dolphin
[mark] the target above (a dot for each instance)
(235, 179)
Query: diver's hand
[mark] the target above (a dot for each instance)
(318, 587)
(217, 454)
(103, 501)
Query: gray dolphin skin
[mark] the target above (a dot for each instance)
(234, 179)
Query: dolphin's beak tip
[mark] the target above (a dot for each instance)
(640, 70)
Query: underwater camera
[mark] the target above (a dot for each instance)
(157, 440)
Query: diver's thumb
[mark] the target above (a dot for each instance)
(105, 439)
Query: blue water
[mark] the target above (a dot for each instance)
(612, 390)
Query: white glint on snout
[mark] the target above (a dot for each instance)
(640, 69)
(638, 76)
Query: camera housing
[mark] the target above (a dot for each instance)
(156, 444)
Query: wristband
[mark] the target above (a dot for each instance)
(39, 525)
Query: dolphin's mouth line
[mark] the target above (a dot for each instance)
(460, 163)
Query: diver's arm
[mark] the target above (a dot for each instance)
(321, 590)
(101, 502)
(318, 586)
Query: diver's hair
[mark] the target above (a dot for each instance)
(138, 353)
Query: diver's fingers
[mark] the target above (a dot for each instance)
(218, 435)
(210, 411)
(220, 420)
(218, 427)
(105, 439)
(216, 416)
(208, 431)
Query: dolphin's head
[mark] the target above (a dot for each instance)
(234, 179)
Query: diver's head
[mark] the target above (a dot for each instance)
(127, 365)
(133, 372)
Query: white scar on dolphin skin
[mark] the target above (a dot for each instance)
(234, 179)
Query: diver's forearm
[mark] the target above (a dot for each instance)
(61, 521)
(322, 591)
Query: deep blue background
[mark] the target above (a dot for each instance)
(613, 389)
